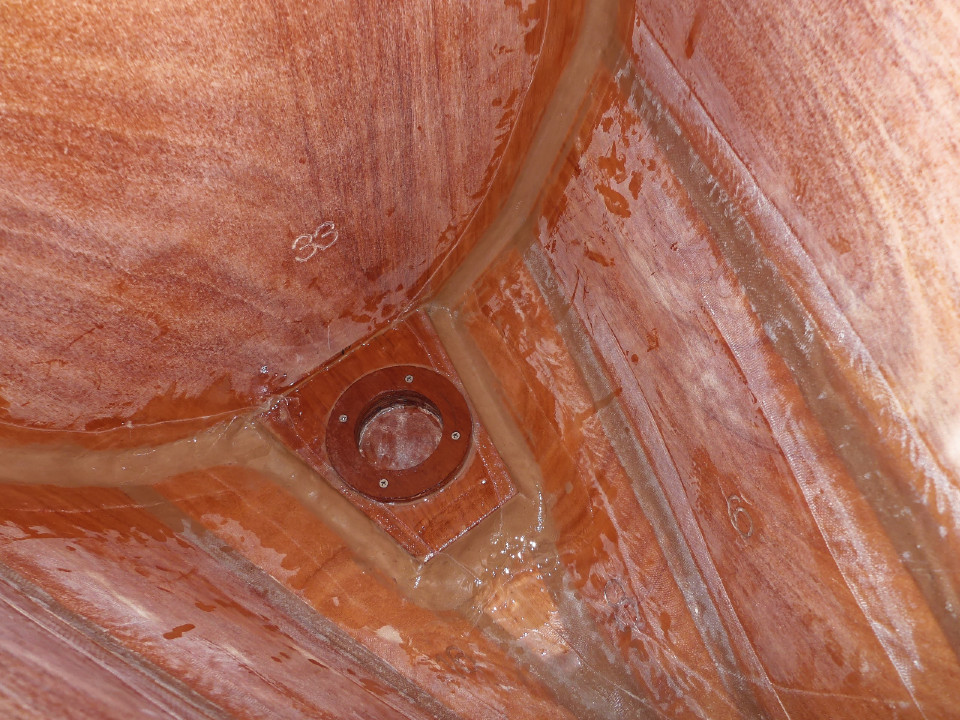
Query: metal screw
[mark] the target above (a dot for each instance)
(343, 418)
(455, 435)
(383, 482)
(409, 378)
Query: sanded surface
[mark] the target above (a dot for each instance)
(422, 526)
(472, 672)
(606, 547)
(158, 166)
(48, 670)
(108, 561)
(847, 115)
(719, 360)
(771, 511)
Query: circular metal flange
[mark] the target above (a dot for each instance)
(390, 387)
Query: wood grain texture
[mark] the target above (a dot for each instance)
(846, 115)
(606, 548)
(424, 526)
(730, 436)
(106, 560)
(720, 356)
(159, 165)
(469, 671)
(840, 171)
(48, 669)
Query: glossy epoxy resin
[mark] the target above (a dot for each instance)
(690, 268)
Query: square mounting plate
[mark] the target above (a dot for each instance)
(422, 526)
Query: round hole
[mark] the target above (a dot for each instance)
(400, 432)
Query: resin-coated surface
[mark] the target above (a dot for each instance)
(202, 202)
(692, 265)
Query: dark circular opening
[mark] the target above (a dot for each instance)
(399, 430)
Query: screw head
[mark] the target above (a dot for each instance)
(383, 482)
(455, 435)
(409, 378)
(343, 418)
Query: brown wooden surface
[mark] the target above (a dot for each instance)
(356, 439)
(471, 672)
(158, 165)
(716, 365)
(424, 526)
(109, 562)
(656, 319)
(606, 548)
(50, 670)
(858, 293)
(846, 117)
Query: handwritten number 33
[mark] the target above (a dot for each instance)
(306, 246)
